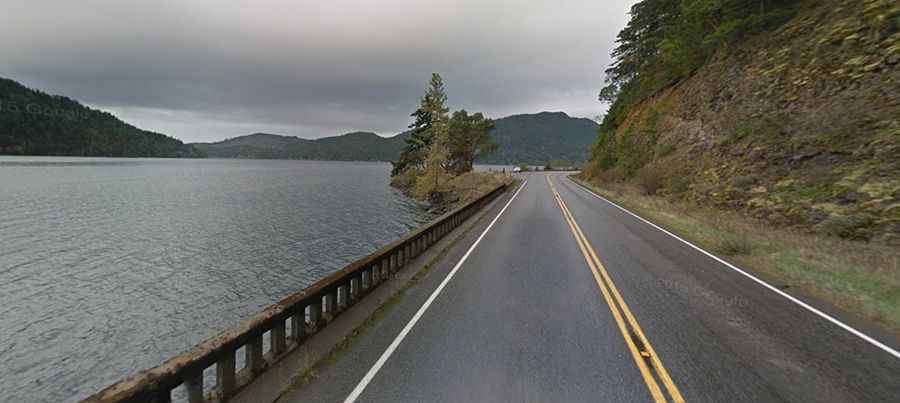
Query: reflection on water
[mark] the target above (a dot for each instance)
(108, 266)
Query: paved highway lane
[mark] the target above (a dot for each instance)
(567, 298)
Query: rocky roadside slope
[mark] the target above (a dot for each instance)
(799, 126)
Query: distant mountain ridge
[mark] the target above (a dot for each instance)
(35, 123)
(356, 146)
(527, 138)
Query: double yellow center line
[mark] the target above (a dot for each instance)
(645, 357)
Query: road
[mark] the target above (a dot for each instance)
(561, 296)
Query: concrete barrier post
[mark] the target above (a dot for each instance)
(298, 331)
(315, 317)
(279, 343)
(194, 387)
(330, 302)
(342, 298)
(225, 379)
(254, 354)
(365, 281)
(354, 289)
(384, 269)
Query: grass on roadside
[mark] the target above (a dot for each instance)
(859, 277)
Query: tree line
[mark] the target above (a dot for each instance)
(666, 41)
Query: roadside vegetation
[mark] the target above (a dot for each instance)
(437, 161)
(786, 111)
(859, 277)
(766, 131)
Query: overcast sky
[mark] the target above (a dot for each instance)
(205, 70)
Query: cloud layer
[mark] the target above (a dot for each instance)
(204, 70)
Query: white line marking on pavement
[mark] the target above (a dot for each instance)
(774, 289)
(412, 322)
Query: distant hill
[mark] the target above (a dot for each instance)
(535, 138)
(35, 123)
(541, 137)
(357, 146)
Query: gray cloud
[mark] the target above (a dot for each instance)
(205, 70)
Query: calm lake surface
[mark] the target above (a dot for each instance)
(109, 266)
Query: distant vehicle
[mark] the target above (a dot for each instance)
(517, 169)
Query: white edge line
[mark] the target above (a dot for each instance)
(791, 298)
(412, 322)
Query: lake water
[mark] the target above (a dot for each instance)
(109, 266)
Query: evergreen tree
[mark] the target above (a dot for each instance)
(438, 152)
(431, 109)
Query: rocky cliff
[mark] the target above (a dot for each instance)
(799, 126)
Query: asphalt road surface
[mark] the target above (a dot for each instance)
(560, 296)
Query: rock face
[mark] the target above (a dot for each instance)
(800, 126)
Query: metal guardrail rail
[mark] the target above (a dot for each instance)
(286, 323)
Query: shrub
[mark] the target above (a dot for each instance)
(590, 170)
(613, 175)
(664, 149)
(852, 227)
(405, 180)
(734, 245)
(679, 184)
(743, 181)
(649, 179)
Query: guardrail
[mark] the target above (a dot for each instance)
(286, 324)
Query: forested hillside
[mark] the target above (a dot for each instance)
(786, 110)
(541, 137)
(35, 123)
(357, 146)
(529, 138)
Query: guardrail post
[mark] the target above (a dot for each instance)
(298, 327)
(254, 353)
(354, 289)
(225, 380)
(278, 339)
(194, 387)
(368, 277)
(375, 274)
(341, 298)
(329, 301)
(315, 317)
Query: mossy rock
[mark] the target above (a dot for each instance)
(760, 203)
(856, 61)
(878, 190)
(831, 208)
(892, 211)
(785, 184)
